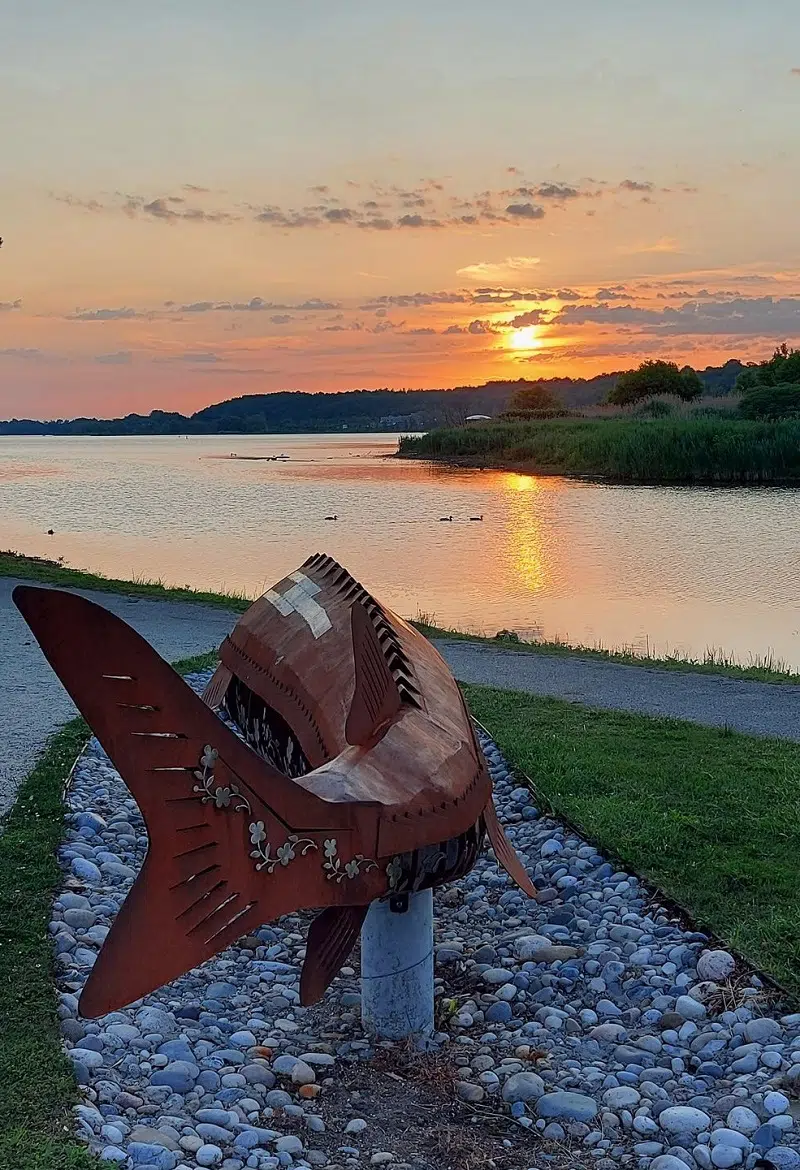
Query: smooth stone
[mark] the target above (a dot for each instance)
(621, 1098)
(726, 1156)
(684, 1119)
(523, 1086)
(357, 1125)
(765, 1137)
(303, 1074)
(573, 1106)
(743, 1120)
(496, 976)
(715, 965)
(471, 1093)
(760, 1030)
(86, 870)
(730, 1137)
(151, 1020)
(87, 1057)
(668, 1162)
(179, 1075)
(220, 990)
(690, 1009)
(775, 1103)
(147, 1135)
(782, 1158)
(209, 1155)
(499, 1013)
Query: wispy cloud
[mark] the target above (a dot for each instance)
(121, 314)
(27, 355)
(665, 244)
(756, 317)
(122, 357)
(373, 206)
(255, 305)
(497, 269)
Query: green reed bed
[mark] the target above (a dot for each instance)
(704, 450)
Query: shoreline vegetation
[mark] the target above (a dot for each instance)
(715, 661)
(700, 450)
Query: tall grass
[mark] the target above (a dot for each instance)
(698, 450)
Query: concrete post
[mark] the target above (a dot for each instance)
(397, 968)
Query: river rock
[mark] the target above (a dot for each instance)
(715, 966)
(684, 1119)
(573, 1106)
(523, 1086)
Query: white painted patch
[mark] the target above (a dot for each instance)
(283, 606)
(311, 611)
(305, 583)
(299, 599)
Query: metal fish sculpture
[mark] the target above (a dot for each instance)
(330, 761)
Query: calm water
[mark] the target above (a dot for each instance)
(670, 568)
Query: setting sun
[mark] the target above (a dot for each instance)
(524, 338)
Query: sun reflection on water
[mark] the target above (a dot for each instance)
(528, 553)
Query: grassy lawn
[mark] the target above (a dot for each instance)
(37, 1089)
(37, 569)
(710, 817)
(46, 572)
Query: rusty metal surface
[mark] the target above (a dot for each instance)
(341, 767)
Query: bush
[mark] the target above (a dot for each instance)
(528, 415)
(710, 412)
(771, 402)
(652, 378)
(782, 368)
(657, 408)
(535, 397)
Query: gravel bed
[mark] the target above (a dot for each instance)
(590, 1029)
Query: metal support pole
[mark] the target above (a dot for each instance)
(397, 967)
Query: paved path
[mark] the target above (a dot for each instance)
(34, 704)
(32, 700)
(753, 707)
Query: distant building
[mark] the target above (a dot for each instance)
(478, 418)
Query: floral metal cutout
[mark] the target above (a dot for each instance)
(336, 870)
(229, 796)
(220, 795)
(394, 871)
(285, 853)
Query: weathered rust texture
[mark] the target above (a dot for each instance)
(330, 761)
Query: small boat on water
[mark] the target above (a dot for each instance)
(331, 761)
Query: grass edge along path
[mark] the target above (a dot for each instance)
(38, 569)
(708, 816)
(37, 1088)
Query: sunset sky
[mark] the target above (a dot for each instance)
(202, 200)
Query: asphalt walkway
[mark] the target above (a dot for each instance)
(34, 703)
(32, 700)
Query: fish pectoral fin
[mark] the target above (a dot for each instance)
(331, 937)
(505, 853)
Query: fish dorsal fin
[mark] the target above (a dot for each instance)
(376, 698)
